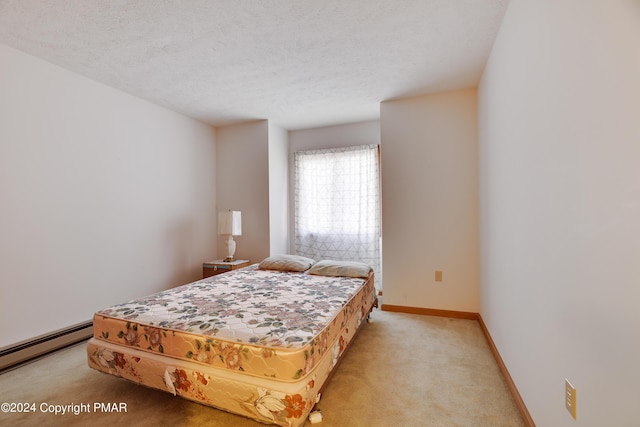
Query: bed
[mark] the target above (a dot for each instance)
(260, 341)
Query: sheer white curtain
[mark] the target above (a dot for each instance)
(337, 205)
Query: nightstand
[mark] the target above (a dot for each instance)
(220, 266)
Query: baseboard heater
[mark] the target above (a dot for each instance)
(38, 346)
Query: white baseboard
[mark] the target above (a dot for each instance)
(32, 348)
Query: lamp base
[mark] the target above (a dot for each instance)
(231, 249)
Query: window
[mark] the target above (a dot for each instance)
(337, 204)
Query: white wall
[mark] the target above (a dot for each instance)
(559, 140)
(278, 190)
(104, 197)
(430, 201)
(242, 179)
(344, 135)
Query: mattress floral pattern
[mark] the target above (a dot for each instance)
(281, 403)
(263, 404)
(139, 356)
(263, 323)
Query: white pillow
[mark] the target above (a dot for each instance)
(293, 263)
(341, 269)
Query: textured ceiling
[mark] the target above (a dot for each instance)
(298, 63)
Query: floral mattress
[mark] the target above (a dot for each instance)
(253, 342)
(262, 323)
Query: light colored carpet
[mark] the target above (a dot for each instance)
(402, 370)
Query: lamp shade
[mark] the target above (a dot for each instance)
(230, 223)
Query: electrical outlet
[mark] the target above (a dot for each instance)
(570, 398)
(438, 275)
